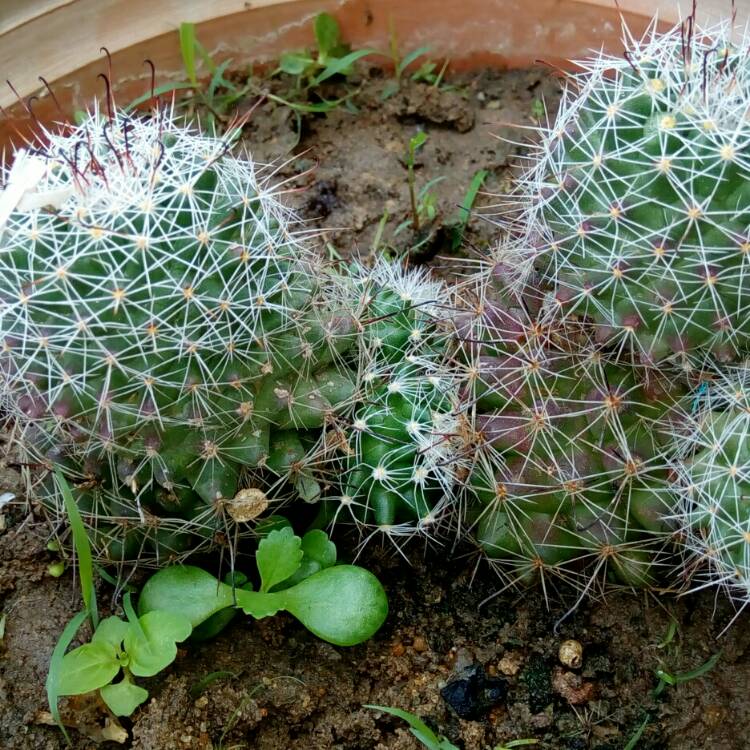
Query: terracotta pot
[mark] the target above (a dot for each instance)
(61, 39)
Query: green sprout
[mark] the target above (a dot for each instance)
(342, 604)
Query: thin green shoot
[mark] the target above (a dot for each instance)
(517, 743)
(378, 238)
(461, 219)
(666, 678)
(209, 679)
(418, 728)
(82, 549)
(55, 667)
(415, 143)
(633, 741)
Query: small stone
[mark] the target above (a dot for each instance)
(571, 654)
(397, 649)
(247, 504)
(493, 104)
(420, 645)
(510, 664)
(572, 687)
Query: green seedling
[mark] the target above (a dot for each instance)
(136, 647)
(219, 96)
(84, 558)
(418, 728)
(516, 743)
(333, 57)
(423, 203)
(427, 72)
(457, 224)
(668, 679)
(341, 604)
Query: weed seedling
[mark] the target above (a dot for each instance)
(457, 225)
(418, 728)
(341, 604)
(424, 203)
(139, 646)
(309, 70)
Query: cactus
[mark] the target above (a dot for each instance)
(569, 474)
(161, 323)
(713, 483)
(639, 193)
(397, 450)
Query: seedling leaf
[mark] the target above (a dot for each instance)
(294, 63)
(340, 65)
(187, 49)
(317, 546)
(343, 605)
(278, 557)
(410, 58)
(186, 590)
(87, 668)
(327, 35)
(55, 667)
(111, 632)
(418, 728)
(123, 697)
(154, 647)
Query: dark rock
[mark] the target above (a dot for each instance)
(473, 693)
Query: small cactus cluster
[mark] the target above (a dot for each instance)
(174, 345)
(607, 332)
(400, 445)
(639, 193)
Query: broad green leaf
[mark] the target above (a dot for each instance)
(295, 63)
(187, 590)
(327, 35)
(123, 697)
(343, 605)
(87, 668)
(111, 632)
(278, 557)
(340, 65)
(151, 647)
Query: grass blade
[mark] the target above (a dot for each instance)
(165, 88)
(55, 666)
(340, 64)
(187, 49)
(82, 549)
(410, 58)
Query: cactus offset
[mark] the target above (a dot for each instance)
(399, 443)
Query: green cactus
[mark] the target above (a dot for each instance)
(569, 476)
(713, 484)
(637, 195)
(397, 449)
(162, 324)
